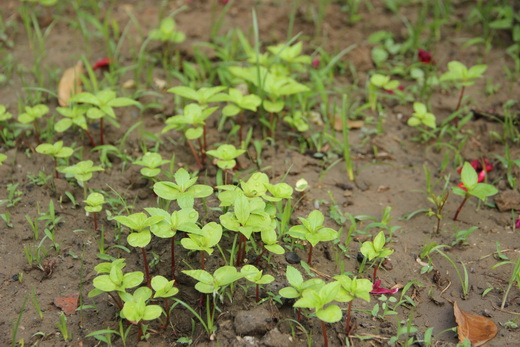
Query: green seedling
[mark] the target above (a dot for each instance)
(164, 289)
(104, 103)
(62, 327)
(379, 82)
(248, 216)
(184, 190)
(471, 187)
(167, 32)
(298, 286)
(202, 96)
(183, 220)
(461, 236)
(352, 288)
(438, 201)
(57, 150)
(252, 274)
(3, 157)
(320, 301)
(115, 281)
(464, 280)
(152, 163)
(226, 155)
(47, 3)
(297, 120)
(193, 124)
(14, 196)
(463, 77)
(82, 172)
(515, 277)
(136, 309)
(31, 115)
(94, 204)
(292, 55)
(213, 285)
(421, 116)
(254, 187)
(142, 236)
(203, 240)
(313, 231)
(74, 115)
(237, 103)
(4, 115)
(375, 250)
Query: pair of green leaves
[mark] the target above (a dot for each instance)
(460, 74)
(422, 116)
(376, 249)
(312, 229)
(115, 280)
(183, 190)
(167, 32)
(56, 150)
(226, 155)
(33, 113)
(248, 216)
(82, 171)
(212, 284)
(94, 202)
(195, 116)
(469, 178)
(140, 223)
(152, 163)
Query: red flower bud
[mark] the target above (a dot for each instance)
(102, 63)
(315, 63)
(425, 57)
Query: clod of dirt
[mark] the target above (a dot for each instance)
(62, 186)
(292, 258)
(252, 321)
(508, 200)
(275, 338)
(362, 185)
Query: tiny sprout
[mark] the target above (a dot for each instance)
(462, 76)
(167, 32)
(3, 157)
(381, 82)
(57, 150)
(4, 115)
(94, 203)
(31, 115)
(375, 250)
(82, 172)
(251, 273)
(226, 155)
(151, 162)
(421, 116)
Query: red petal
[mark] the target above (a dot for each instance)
(101, 63)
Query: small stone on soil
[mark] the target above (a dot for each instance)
(257, 320)
(274, 338)
(292, 258)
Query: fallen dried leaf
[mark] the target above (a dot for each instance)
(68, 303)
(70, 83)
(477, 329)
(351, 124)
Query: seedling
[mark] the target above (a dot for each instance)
(237, 104)
(313, 231)
(31, 115)
(136, 309)
(164, 289)
(320, 301)
(515, 277)
(203, 240)
(82, 172)
(184, 190)
(225, 158)
(152, 163)
(251, 273)
(57, 150)
(421, 116)
(202, 96)
(378, 81)
(471, 187)
(3, 157)
(298, 286)
(141, 224)
(167, 32)
(350, 289)
(62, 326)
(375, 250)
(94, 204)
(74, 115)
(463, 77)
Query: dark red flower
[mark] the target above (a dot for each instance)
(425, 57)
(400, 88)
(316, 63)
(376, 289)
(481, 170)
(102, 63)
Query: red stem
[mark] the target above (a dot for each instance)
(56, 168)
(257, 293)
(260, 257)
(101, 142)
(460, 98)
(173, 257)
(324, 332)
(119, 304)
(194, 152)
(376, 266)
(299, 314)
(460, 207)
(146, 269)
(92, 143)
(139, 332)
(347, 320)
(36, 133)
(240, 124)
(95, 221)
(202, 264)
(310, 254)
(205, 146)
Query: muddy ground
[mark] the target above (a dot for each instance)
(389, 172)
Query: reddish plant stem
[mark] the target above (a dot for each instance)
(324, 332)
(101, 132)
(205, 143)
(347, 320)
(241, 244)
(299, 314)
(146, 269)
(56, 168)
(139, 332)
(460, 98)
(309, 259)
(167, 310)
(92, 143)
(173, 257)
(36, 133)
(460, 207)
(119, 303)
(202, 263)
(240, 125)
(95, 221)
(376, 266)
(257, 293)
(194, 152)
(259, 257)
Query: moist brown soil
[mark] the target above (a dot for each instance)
(389, 172)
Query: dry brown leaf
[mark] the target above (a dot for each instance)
(351, 124)
(70, 83)
(477, 329)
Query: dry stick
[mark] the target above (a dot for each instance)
(194, 152)
(324, 332)
(173, 257)
(147, 271)
(347, 324)
(460, 208)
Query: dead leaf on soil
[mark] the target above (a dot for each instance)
(352, 124)
(477, 329)
(70, 83)
(68, 303)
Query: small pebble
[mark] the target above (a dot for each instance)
(292, 258)
(387, 265)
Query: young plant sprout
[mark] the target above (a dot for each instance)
(202, 96)
(141, 224)
(292, 55)
(421, 116)
(352, 288)
(56, 150)
(164, 289)
(320, 301)
(237, 104)
(152, 163)
(252, 274)
(462, 77)
(3, 157)
(375, 250)
(377, 82)
(74, 115)
(167, 32)
(203, 240)
(94, 204)
(136, 308)
(313, 231)
(472, 187)
(103, 104)
(183, 220)
(225, 158)
(298, 286)
(4, 115)
(184, 190)
(31, 115)
(82, 172)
